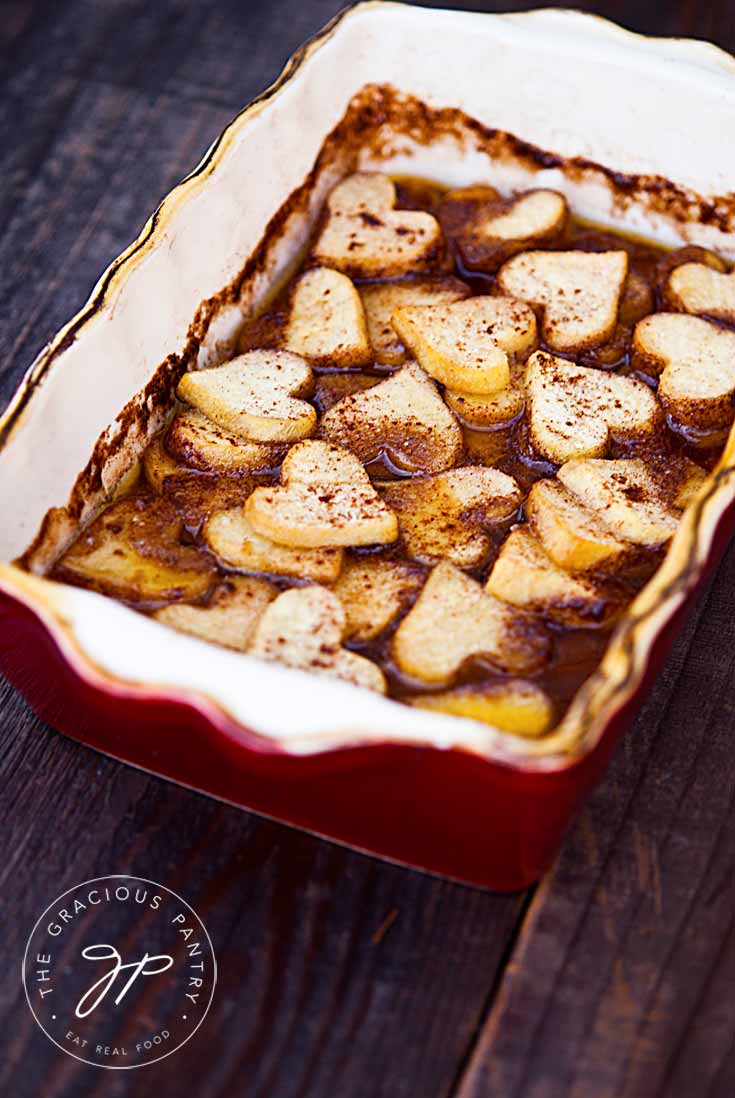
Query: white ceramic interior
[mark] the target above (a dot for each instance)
(569, 83)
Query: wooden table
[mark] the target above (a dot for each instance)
(341, 976)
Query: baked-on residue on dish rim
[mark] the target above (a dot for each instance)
(63, 610)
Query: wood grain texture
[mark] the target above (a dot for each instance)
(339, 975)
(618, 984)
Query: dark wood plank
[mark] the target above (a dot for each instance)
(111, 159)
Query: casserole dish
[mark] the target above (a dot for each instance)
(372, 91)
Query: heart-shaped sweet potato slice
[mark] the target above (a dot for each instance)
(445, 516)
(381, 299)
(699, 288)
(578, 293)
(366, 237)
(572, 535)
(303, 628)
(487, 229)
(526, 576)
(403, 418)
(696, 363)
(326, 322)
(231, 537)
(455, 620)
(632, 501)
(689, 253)
(199, 443)
(256, 395)
(325, 499)
(469, 345)
(575, 411)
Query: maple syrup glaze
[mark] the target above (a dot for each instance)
(575, 651)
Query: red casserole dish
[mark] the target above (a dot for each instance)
(431, 791)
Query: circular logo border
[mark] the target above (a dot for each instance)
(96, 880)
